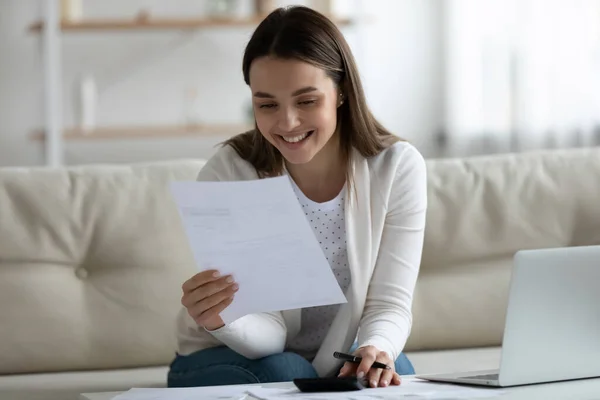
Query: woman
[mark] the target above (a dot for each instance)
(353, 178)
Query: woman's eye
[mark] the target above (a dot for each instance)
(267, 106)
(307, 102)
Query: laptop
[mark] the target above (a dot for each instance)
(552, 325)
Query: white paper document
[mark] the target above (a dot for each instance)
(409, 389)
(192, 393)
(256, 231)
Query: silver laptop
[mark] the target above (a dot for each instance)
(552, 326)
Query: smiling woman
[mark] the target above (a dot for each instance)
(313, 125)
(303, 76)
(295, 110)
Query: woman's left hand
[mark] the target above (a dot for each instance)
(376, 377)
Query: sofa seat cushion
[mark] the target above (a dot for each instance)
(459, 360)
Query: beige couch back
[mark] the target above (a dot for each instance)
(92, 258)
(481, 211)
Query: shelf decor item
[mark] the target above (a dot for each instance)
(192, 106)
(87, 104)
(71, 10)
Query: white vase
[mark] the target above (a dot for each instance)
(71, 10)
(87, 103)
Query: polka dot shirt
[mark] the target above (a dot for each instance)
(327, 222)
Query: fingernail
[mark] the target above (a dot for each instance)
(384, 383)
(216, 274)
(360, 375)
(374, 383)
(229, 279)
(235, 287)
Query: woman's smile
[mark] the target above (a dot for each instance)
(296, 140)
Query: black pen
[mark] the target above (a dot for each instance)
(357, 360)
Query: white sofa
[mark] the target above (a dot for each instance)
(92, 259)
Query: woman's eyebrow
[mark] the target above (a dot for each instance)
(298, 92)
(306, 89)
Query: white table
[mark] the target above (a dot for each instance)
(587, 389)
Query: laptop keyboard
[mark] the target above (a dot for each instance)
(488, 377)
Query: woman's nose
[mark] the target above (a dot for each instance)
(288, 120)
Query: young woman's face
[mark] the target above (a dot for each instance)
(295, 106)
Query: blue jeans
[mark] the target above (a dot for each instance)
(223, 366)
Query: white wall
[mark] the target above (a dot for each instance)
(143, 76)
(403, 68)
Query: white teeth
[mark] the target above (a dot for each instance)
(295, 139)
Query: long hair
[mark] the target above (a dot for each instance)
(304, 34)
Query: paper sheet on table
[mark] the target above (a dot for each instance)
(193, 393)
(411, 388)
(257, 231)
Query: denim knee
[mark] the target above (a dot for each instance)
(215, 375)
(283, 367)
(403, 365)
(210, 367)
(223, 366)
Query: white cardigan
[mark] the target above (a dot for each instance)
(385, 223)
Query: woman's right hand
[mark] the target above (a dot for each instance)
(206, 295)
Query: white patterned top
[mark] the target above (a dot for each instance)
(328, 224)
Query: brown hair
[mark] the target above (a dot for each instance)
(303, 34)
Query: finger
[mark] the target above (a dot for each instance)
(213, 300)
(386, 377)
(217, 286)
(213, 311)
(207, 290)
(200, 279)
(396, 380)
(368, 358)
(374, 377)
(349, 369)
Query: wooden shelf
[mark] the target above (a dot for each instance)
(159, 24)
(149, 132)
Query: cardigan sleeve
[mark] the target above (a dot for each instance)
(387, 317)
(255, 335)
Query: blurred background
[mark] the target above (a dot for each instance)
(143, 80)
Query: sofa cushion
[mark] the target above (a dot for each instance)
(91, 264)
